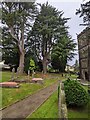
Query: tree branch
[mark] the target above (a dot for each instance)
(15, 38)
(12, 34)
(20, 48)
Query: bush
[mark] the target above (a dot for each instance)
(75, 93)
(89, 92)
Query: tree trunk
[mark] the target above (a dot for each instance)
(21, 50)
(44, 65)
(21, 63)
(20, 43)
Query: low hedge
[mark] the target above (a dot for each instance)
(75, 93)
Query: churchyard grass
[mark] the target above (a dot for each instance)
(6, 76)
(48, 109)
(11, 95)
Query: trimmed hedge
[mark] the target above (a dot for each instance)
(75, 93)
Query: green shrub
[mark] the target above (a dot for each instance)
(75, 93)
(32, 65)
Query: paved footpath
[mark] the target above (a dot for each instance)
(26, 106)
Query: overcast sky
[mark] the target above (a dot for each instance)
(69, 8)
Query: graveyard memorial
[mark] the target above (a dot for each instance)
(37, 80)
(9, 84)
(45, 66)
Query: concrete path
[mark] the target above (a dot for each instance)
(26, 106)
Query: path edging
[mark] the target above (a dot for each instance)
(62, 107)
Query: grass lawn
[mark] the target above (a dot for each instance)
(73, 76)
(48, 109)
(11, 95)
(6, 76)
(72, 114)
(78, 113)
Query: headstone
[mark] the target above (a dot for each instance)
(33, 73)
(17, 71)
(28, 74)
(13, 74)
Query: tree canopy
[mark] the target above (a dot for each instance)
(17, 17)
(49, 25)
(41, 34)
(62, 52)
(84, 12)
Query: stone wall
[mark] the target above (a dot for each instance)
(62, 107)
(84, 53)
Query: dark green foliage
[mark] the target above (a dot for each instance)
(63, 50)
(49, 25)
(84, 12)
(29, 55)
(58, 64)
(89, 91)
(75, 93)
(9, 49)
(40, 66)
(32, 65)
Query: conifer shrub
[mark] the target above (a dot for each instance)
(75, 94)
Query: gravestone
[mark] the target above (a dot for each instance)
(28, 74)
(33, 73)
(13, 74)
(17, 72)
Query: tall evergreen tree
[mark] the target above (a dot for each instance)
(17, 17)
(48, 26)
(62, 52)
(9, 49)
(76, 66)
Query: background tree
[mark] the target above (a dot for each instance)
(84, 12)
(48, 26)
(76, 66)
(16, 16)
(62, 52)
(10, 49)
